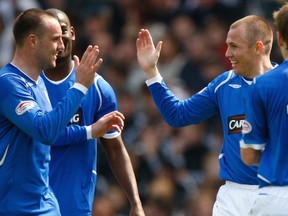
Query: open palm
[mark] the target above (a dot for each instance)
(147, 54)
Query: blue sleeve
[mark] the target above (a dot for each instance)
(108, 102)
(75, 134)
(107, 97)
(179, 113)
(72, 134)
(255, 130)
(19, 106)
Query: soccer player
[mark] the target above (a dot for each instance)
(28, 125)
(73, 165)
(265, 133)
(249, 43)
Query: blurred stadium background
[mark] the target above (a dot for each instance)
(176, 169)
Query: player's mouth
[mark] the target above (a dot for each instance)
(233, 63)
(55, 56)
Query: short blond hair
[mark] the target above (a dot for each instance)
(256, 29)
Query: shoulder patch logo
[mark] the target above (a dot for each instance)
(23, 107)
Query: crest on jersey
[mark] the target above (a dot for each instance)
(247, 128)
(23, 107)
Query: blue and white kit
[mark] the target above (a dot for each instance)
(28, 126)
(73, 163)
(225, 95)
(267, 128)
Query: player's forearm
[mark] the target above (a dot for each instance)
(121, 166)
(152, 72)
(73, 134)
(124, 173)
(47, 127)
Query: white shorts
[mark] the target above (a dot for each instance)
(234, 199)
(271, 201)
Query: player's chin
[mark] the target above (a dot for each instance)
(52, 64)
(54, 59)
(236, 69)
(240, 73)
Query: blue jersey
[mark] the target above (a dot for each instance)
(73, 164)
(26, 131)
(226, 96)
(267, 117)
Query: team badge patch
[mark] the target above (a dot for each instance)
(23, 107)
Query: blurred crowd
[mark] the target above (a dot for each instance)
(176, 168)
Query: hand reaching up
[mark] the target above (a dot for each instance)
(147, 54)
(88, 66)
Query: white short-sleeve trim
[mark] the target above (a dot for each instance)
(253, 146)
(111, 135)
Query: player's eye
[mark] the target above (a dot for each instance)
(64, 31)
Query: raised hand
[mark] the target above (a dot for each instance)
(147, 54)
(111, 121)
(88, 66)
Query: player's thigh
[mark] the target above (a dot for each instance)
(231, 201)
(271, 203)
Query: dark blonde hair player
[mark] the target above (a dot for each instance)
(249, 43)
(266, 130)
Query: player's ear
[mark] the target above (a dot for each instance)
(259, 46)
(73, 33)
(32, 39)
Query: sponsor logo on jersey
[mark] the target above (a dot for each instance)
(23, 107)
(77, 118)
(235, 124)
(246, 127)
